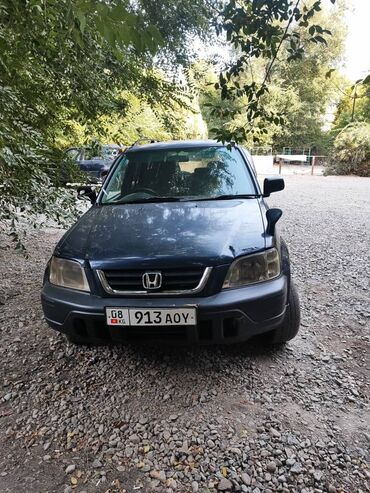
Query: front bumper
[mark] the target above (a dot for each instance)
(227, 317)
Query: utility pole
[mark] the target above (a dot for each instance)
(354, 103)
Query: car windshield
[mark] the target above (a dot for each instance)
(178, 174)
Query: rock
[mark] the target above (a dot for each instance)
(271, 466)
(70, 468)
(194, 487)
(224, 485)
(318, 475)
(296, 468)
(246, 478)
(154, 485)
(158, 475)
(172, 484)
(134, 438)
(275, 433)
(184, 448)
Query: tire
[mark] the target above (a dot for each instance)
(289, 329)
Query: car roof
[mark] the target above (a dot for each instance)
(174, 144)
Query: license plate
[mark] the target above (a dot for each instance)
(152, 316)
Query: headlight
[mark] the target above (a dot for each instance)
(253, 268)
(68, 273)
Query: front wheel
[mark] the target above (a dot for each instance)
(290, 326)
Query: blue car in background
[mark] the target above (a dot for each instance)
(94, 165)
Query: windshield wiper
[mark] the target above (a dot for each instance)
(144, 200)
(157, 198)
(230, 197)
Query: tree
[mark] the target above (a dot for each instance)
(351, 132)
(262, 30)
(137, 119)
(299, 90)
(351, 152)
(354, 105)
(71, 60)
(303, 89)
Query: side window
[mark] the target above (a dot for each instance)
(115, 183)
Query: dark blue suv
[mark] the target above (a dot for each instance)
(178, 246)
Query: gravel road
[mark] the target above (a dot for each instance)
(187, 420)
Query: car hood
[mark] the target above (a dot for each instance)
(203, 232)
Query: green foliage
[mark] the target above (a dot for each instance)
(354, 105)
(64, 64)
(261, 30)
(27, 172)
(300, 91)
(351, 153)
(139, 119)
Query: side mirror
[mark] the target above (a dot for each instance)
(86, 192)
(104, 174)
(272, 216)
(273, 184)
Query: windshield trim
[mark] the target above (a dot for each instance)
(119, 158)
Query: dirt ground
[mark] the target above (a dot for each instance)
(188, 420)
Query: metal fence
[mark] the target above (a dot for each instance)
(267, 160)
(300, 161)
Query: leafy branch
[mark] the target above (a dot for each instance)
(259, 29)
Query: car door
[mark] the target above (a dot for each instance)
(92, 165)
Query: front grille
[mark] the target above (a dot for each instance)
(173, 279)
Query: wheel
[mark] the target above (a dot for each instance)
(290, 326)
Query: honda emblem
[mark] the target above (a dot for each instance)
(152, 280)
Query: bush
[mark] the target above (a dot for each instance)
(351, 151)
